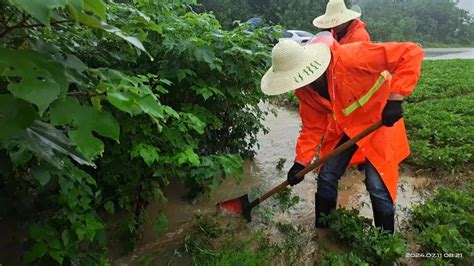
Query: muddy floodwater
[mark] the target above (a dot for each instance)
(448, 53)
(259, 176)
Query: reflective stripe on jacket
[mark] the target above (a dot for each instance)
(359, 87)
(355, 33)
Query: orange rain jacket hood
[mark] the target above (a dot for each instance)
(355, 33)
(359, 87)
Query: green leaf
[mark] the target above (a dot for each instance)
(206, 93)
(75, 7)
(96, 102)
(123, 101)
(95, 6)
(158, 195)
(37, 232)
(15, 116)
(41, 174)
(132, 40)
(20, 155)
(84, 121)
(65, 237)
(109, 207)
(33, 77)
(160, 224)
(188, 156)
(80, 232)
(205, 54)
(41, 10)
(195, 123)
(134, 104)
(170, 111)
(89, 21)
(57, 255)
(46, 141)
(148, 153)
(37, 251)
(151, 106)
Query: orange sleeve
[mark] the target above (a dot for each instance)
(360, 35)
(403, 60)
(314, 120)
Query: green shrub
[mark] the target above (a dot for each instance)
(365, 241)
(102, 104)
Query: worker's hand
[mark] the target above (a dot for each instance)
(291, 178)
(392, 112)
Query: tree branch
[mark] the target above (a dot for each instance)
(18, 25)
(85, 93)
(42, 25)
(21, 25)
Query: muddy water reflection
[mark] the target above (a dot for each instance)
(259, 176)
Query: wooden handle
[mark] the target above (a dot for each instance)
(320, 161)
(270, 193)
(338, 150)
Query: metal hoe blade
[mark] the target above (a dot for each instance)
(240, 205)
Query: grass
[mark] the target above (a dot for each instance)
(213, 243)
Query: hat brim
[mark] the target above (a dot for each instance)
(327, 22)
(317, 59)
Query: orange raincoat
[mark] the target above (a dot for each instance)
(359, 88)
(355, 33)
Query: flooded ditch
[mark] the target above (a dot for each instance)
(259, 176)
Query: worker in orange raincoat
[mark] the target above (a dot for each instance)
(345, 28)
(339, 96)
(342, 23)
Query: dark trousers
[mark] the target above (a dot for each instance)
(333, 169)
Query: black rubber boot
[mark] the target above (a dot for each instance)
(386, 222)
(323, 207)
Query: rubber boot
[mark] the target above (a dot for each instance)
(385, 221)
(323, 207)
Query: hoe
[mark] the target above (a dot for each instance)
(242, 204)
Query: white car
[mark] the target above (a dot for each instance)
(299, 36)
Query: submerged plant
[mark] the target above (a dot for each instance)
(280, 163)
(286, 199)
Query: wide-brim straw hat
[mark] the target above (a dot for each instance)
(295, 66)
(336, 14)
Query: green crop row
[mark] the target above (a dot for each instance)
(364, 240)
(441, 133)
(445, 224)
(444, 79)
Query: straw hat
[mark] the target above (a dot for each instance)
(294, 66)
(336, 14)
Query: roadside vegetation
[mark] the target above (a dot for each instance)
(103, 103)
